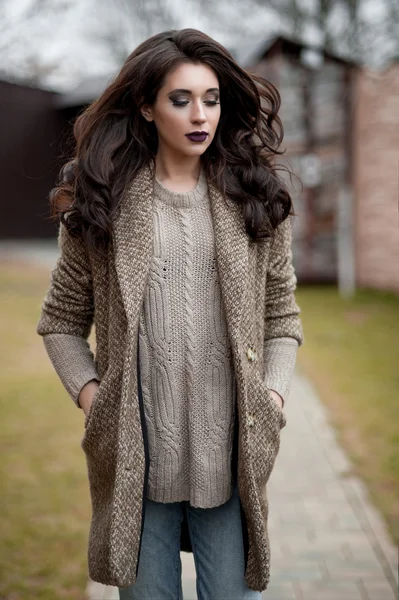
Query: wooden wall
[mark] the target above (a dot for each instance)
(29, 159)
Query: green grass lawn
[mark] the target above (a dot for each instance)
(351, 354)
(45, 506)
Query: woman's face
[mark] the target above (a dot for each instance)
(187, 103)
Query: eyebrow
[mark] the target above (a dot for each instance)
(182, 91)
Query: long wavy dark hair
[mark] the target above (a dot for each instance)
(114, 141)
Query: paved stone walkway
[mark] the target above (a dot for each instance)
(328, 542)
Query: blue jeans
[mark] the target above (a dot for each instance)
(216, 539)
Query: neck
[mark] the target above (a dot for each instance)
(176, 169)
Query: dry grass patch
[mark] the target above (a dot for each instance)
(45, 507)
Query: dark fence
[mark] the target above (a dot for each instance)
(33, 136)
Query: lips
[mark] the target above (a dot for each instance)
(199, 136)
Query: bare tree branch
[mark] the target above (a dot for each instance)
(355, 37)
(128, 23)
(11, 28)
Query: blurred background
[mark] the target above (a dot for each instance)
(336, 66)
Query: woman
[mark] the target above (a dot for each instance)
(175, 242)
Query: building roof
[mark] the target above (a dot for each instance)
(249, 52)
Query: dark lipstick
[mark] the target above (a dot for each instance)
(197, 136)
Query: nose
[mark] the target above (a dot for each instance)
(198, 113)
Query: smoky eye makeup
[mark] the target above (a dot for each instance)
(213, 98)
(179, 100)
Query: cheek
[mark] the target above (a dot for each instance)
(171, 122)
(214, 119)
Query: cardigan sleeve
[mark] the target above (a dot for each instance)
(281, 311)
(67, 314)
(68, 306)
(72, 360)
(280, 357)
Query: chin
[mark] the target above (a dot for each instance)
(197, 150)
(194, 152)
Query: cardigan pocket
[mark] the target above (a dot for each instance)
(280, 412)
(265, 421)
(100, 423)
(269, 400)
(273, 404)
(89, 415)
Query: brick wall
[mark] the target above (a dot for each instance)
(376, 173)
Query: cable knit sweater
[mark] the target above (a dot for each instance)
(187, 375)
(188, 382)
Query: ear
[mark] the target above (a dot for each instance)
(146, 111)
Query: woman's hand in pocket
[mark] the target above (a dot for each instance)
(87, 394)
(277, 398)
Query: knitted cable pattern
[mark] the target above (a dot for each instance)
(188, 297)
(186, 365)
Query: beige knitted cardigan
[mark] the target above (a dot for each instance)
(185, 360)
(257, 285)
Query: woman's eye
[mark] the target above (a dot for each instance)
(185, 102)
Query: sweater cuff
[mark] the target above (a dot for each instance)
(280, 357)
(73, 361)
